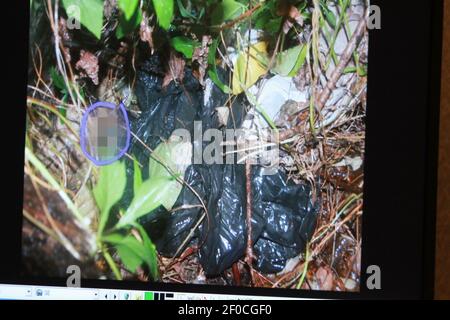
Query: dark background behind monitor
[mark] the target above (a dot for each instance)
(442, 289)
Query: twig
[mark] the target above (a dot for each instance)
(337, 72)
(243, 16)
(337, 227)
(248, 185)
(345, 58)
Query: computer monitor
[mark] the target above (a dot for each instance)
(224, 150)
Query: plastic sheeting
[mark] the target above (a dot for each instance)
(283, 216)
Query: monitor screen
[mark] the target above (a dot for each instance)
(196, 149)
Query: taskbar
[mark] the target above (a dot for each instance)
(26, 292)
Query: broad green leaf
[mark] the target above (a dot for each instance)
(151, 194)
(164, 12)
(128, 7)
(226, 10)
(290, 61)
(127, 26)
(89, 13)
(134, 253)
(215, 78)
(109, 189)
(130, 258)
(162, 188)
(137, 181)
(174, 155)
(249, 67)
(113, 238)
(184, 45)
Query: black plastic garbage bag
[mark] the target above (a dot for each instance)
(176, 106)
(283, 217)
(164, 109)
(289, 216)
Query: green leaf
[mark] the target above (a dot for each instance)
(183, 11)
(128, 7)
(113, 238)
(300, 61)
(57, 79)
(164, 12)
(151, 249)
(130, 258)
(273, 25)
(151, 194)
(249, 67)
(174, 155)
(184, 45)
(227, 10)
(137, 181)
(329, 16)
(266, 18)
(109, 189)
(215, 78)
(290, 61)
(134, 253)
(212, 73)
(125, 26)
(162, 188)
(90, 14)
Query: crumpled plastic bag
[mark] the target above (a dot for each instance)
(283, 217)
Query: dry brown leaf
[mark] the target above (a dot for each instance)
(200, 59)
(146, 32)
(88, 65)
(175, 69)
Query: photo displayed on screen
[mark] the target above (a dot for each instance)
(215, 142)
